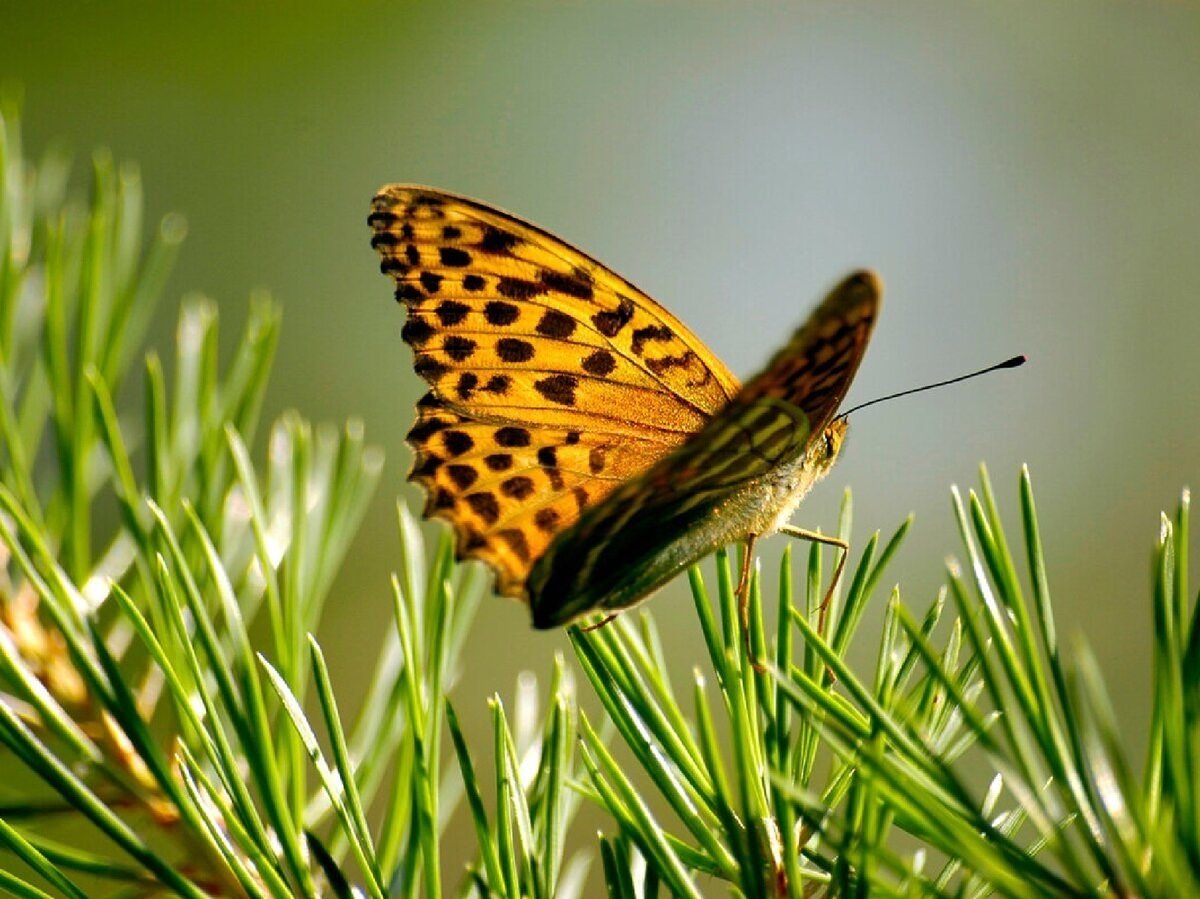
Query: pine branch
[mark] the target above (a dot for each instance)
(140, 709)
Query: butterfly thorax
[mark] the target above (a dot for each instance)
(783, 489)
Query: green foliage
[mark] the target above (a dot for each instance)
(160, 686)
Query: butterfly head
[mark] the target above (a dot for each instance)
(824, 450)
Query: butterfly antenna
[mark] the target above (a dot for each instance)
(1014, 362)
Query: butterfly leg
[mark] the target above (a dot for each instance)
(607, 619)
(743, 595)
(814, 537)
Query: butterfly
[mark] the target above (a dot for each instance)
(579, 439)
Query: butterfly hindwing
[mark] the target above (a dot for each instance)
(702, 495)
(814, 370)
(736, 477)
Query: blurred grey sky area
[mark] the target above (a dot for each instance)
(1024, 177)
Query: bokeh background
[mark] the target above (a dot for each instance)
(1025, 177)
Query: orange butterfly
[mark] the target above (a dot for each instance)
(577, 436)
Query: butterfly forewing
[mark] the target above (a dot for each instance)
(552, 379)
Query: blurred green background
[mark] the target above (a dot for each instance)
(1025, 177)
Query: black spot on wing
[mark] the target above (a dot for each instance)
(484, 505)
(427, 467)
(457, 442)
(467, 382)
(578, 284)
(512, 349)
(518, 288)
(609, 323)
(382, 219)
(651, 332)
(660, 365)
(518, 487)
(558, 388)
(498, 461)
(459, 348)
(500, 313)
(463, 476)
(510, 436)
(429, 368)
(600, 363)
(497, 240)
(394, 266)
(453, 257)
(451, 312)
(515, 538)
(431, 282)
(423, 430)
(416, 332)
(498, 384)
(556, 324)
